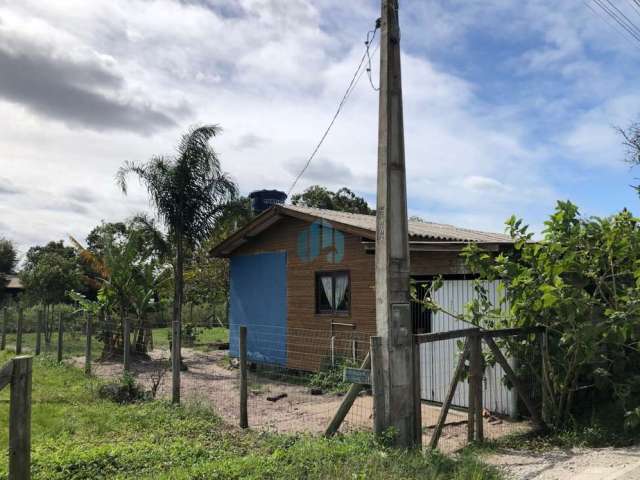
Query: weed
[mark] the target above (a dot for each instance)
(331, 379)
(76, 435)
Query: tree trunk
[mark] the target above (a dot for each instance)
(177, 321)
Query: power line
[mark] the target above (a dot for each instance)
(629, 27)
(368, 44)
(352, 84)
(598, 13)
(632, 25)
(635, 6)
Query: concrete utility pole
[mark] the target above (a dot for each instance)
(393, 312)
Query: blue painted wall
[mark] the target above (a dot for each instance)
(258, 295)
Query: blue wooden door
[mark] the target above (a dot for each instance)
(258, 296)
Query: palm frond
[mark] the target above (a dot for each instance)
(188, 190)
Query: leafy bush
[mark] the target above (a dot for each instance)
(331, 378)
(581, 282)
(127, 390)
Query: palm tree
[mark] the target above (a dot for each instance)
(189, 192)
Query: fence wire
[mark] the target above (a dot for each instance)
(295, 375)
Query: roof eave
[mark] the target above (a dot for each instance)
(442, 246)
(269, 217)
(263, 221)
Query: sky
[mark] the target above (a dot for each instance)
(509, 105)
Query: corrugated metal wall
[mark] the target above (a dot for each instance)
(438, 359)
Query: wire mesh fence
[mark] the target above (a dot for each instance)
(294, 376)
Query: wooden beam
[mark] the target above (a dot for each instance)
(465, 332)
(39, 332)
(19, 328)
(5, 320)
(244, 419)
(442, 417)
(475, 385)
(451, 334)
(347, 402)
(20, 420)
(535, 417)
(5, 374)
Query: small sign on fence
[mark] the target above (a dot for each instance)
(360, 376)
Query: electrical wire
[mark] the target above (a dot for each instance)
(352, 84)
(629, 27)
(635, 6)
(368, 44)
(613, 25)
(632, 25)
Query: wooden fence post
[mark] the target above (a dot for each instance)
(377, 384)
(39, 333)
(87, 346)
(19, 332)
(244, 420)
(478, 373)
(471, 417)
(60, 336)
(3, 339)
(126, 343)
(474, 425)
(20, 419)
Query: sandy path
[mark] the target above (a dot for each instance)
(211, 380)
(574, 464)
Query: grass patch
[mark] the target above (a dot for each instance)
(77, 436)
(74, 341)
(205, 337)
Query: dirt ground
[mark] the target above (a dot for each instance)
(212, 380)
(573, 464)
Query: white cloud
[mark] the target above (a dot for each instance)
(271, 73)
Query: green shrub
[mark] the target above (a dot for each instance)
(330, 379)
(127, 390)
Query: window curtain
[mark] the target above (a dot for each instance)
(342, 282)
(327, 287)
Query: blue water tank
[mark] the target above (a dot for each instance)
(261, 200)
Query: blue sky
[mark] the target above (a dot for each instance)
(509, 105)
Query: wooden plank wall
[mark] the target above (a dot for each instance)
(308, 335)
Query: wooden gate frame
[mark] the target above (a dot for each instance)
(472, 351)
(17, 373)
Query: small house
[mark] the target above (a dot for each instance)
(302, 281)
(12, 284)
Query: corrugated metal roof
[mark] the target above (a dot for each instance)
(417, 229)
